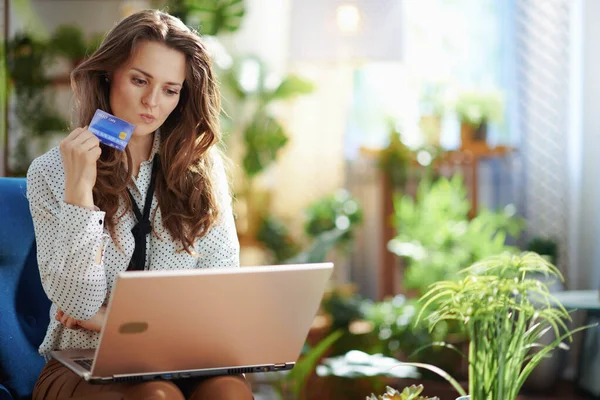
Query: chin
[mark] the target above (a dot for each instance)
(143, 131)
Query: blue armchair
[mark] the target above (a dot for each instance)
(24, 307)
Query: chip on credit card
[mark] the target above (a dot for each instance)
(110, 130)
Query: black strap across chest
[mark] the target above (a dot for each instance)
(143, 227)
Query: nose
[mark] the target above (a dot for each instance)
(150, 98)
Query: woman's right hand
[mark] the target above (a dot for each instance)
(80, 152)
(93, 324)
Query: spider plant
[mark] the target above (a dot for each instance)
(505, 311)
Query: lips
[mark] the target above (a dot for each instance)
(147, 118)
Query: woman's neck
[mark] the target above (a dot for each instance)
(140, 148)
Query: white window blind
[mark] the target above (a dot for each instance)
(542, 38)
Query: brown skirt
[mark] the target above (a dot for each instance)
(58, 382)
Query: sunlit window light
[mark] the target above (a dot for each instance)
(348, 18)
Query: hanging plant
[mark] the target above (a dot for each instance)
(209, 17)
(263, 137)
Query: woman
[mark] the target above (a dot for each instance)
(162, 204)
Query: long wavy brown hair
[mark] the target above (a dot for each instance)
(184, 187)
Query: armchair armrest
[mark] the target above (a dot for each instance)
(4, 393)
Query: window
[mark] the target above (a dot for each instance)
(449, 45)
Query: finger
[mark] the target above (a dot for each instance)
(73, 135)
(90, 142)
(83, 136)
(79, 324)
(58, 315)
(64, 319)
(71, 323)
(97, 152)
(70, 141)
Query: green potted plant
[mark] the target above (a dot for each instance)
(395, 159)
(402, 336)
(544, 246)
(68, 41)
(505, 312)
(410, 393)
(436, 237)
(274, 234)
(475, 110)
(331, 222)
(435, 240)
(339, 210)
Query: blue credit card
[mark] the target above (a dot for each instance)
(111, 130)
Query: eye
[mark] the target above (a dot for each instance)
(138, 81)
(171, 92)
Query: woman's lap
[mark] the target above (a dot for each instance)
(58, 382)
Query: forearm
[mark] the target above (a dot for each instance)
(71, 266)
(83, 198)
(79, 196)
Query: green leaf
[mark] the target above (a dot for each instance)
(264, 137)
(215, 16)
(443, 374)
(276, 237)
(232, 83)
(438, 344)
(522, 377)
(290, 87)
(299, 375)
(245, 69)
(318, 249)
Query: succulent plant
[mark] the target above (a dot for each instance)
(410, 393)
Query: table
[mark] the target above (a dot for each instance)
(579, 299)
(589, 353)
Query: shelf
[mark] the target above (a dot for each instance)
(460, 156)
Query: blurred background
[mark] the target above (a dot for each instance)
(401, 139)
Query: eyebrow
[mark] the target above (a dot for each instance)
(151, 77)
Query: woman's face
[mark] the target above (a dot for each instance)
(146, 89)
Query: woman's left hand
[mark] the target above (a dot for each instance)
(93, 324)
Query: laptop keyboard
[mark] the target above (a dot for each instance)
(85, 363)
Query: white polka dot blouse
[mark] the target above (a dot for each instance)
(68, 238)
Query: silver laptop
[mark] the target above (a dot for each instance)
(203, 322)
